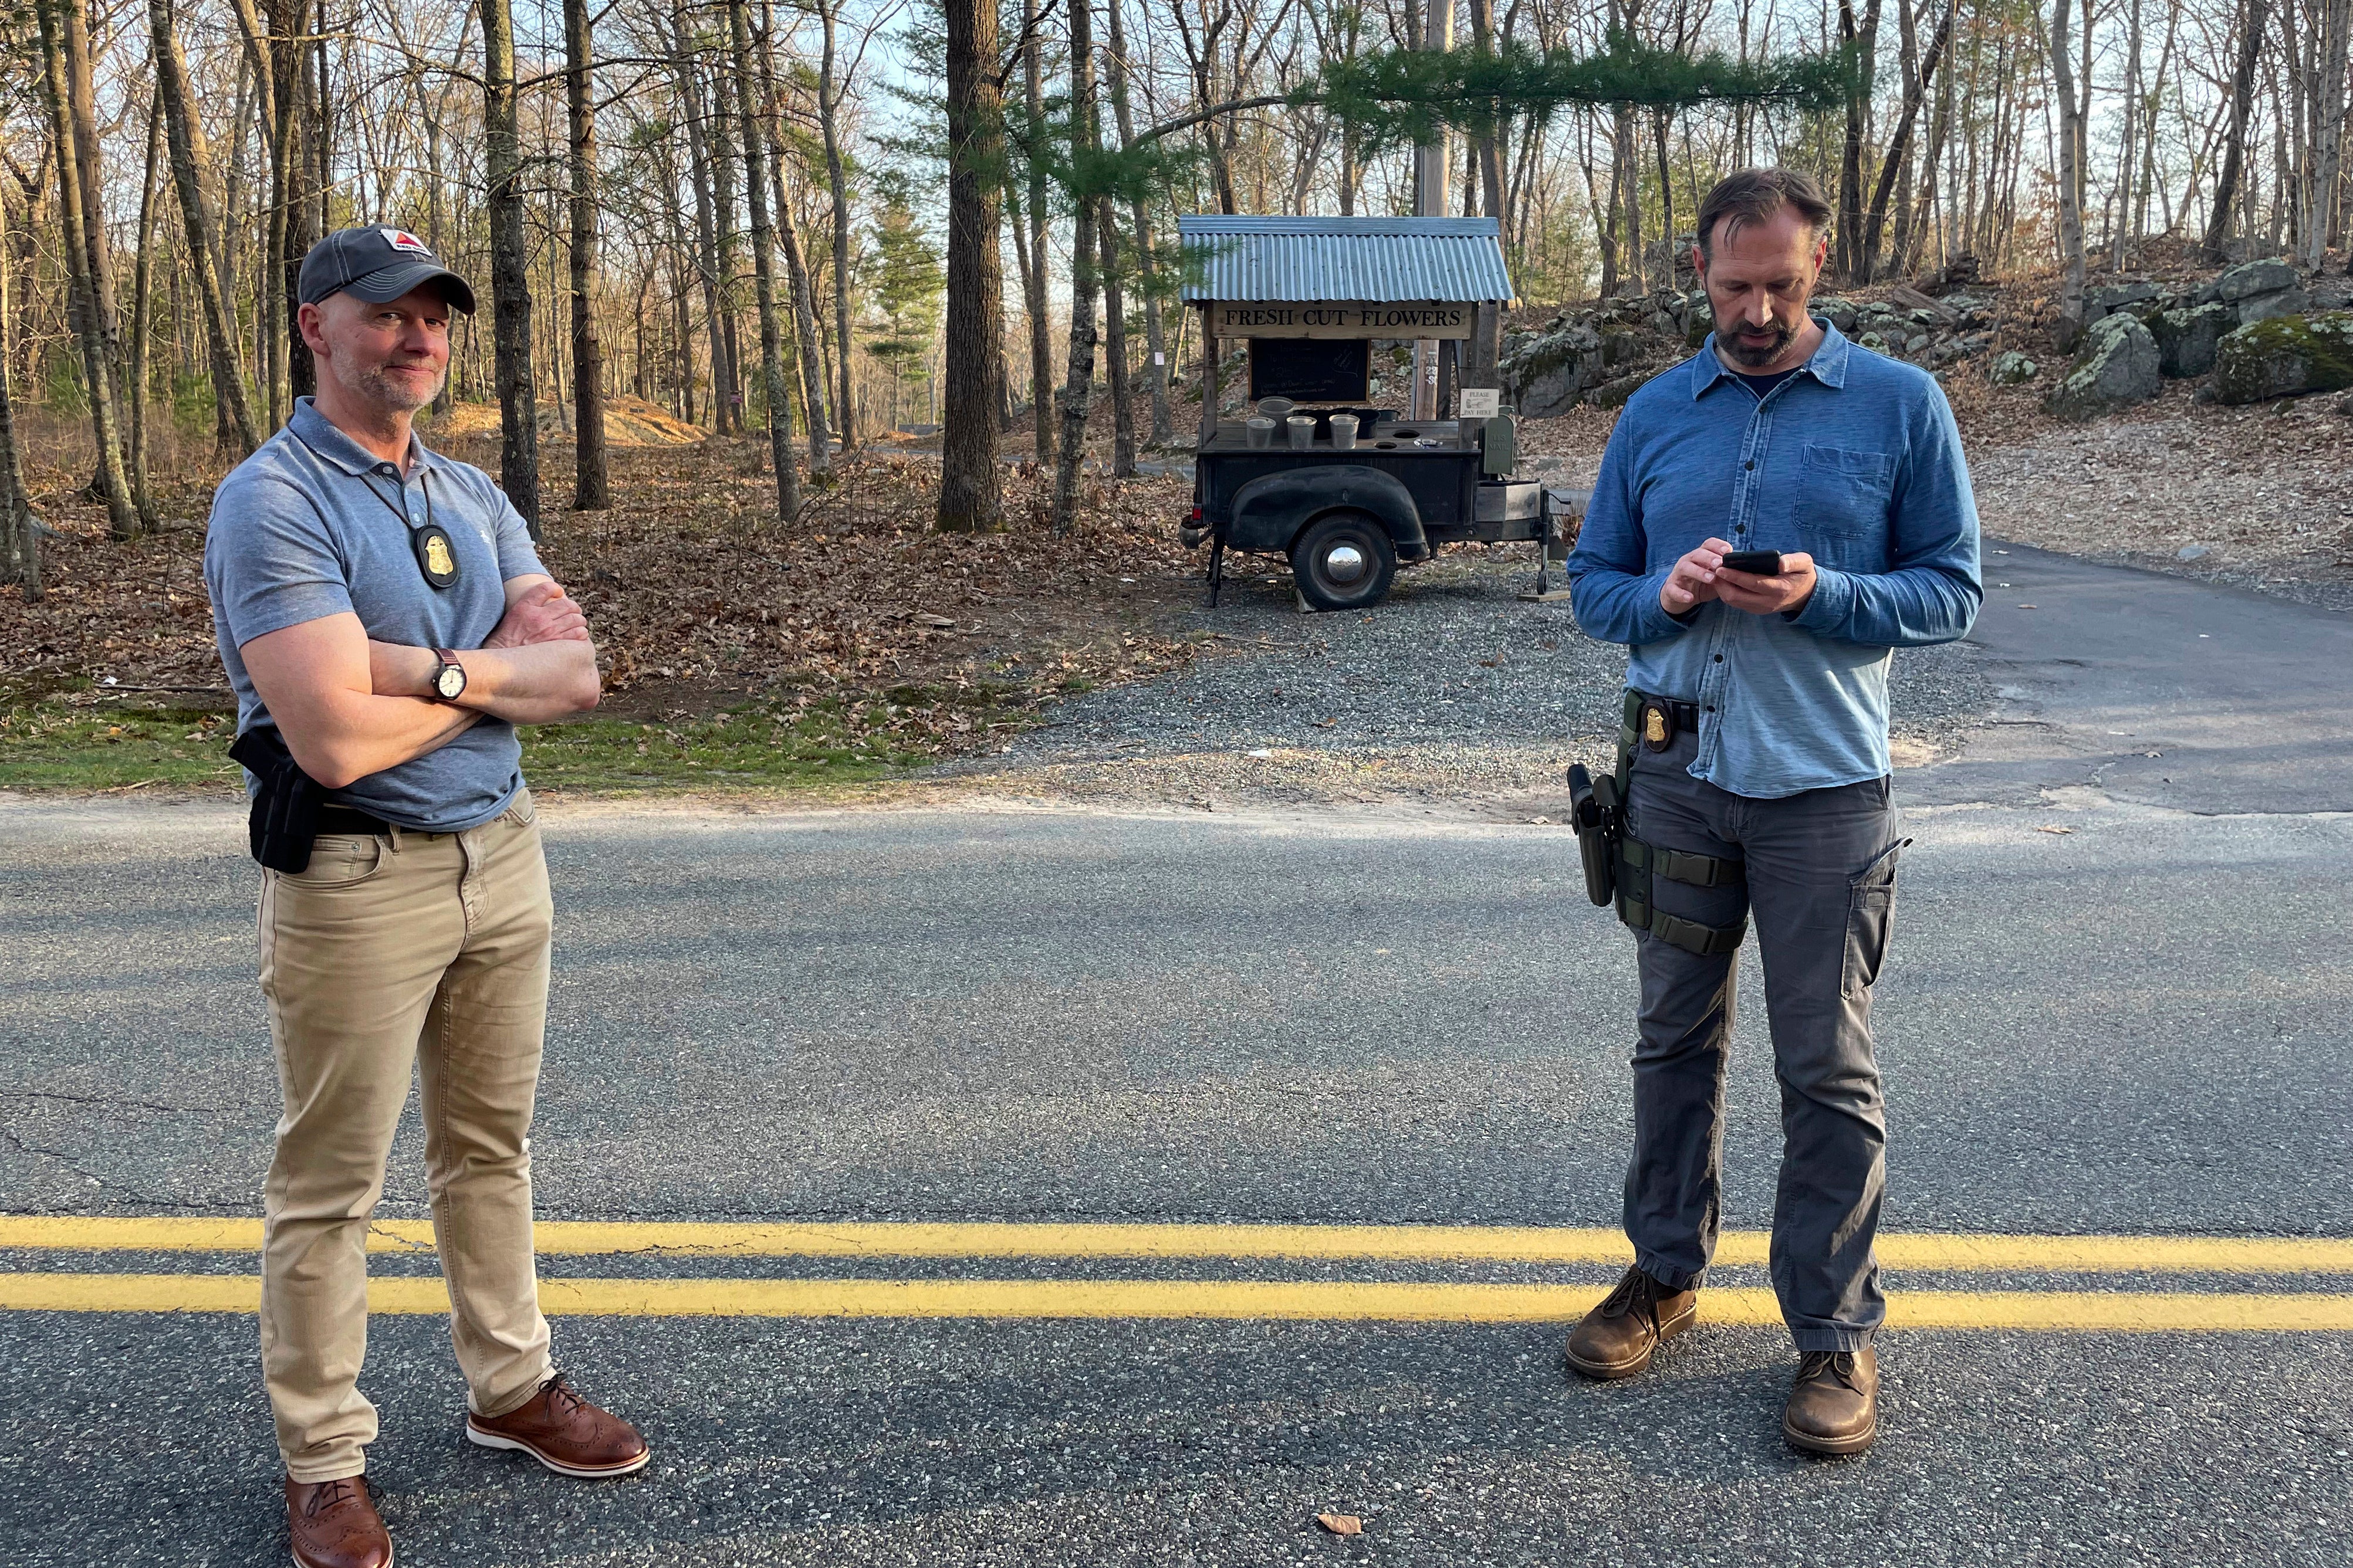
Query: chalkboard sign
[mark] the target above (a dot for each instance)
(1310, 370)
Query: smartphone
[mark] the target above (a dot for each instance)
(1757, 562)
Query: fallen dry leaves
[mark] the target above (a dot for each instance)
(1341, 1523)
(699, 596)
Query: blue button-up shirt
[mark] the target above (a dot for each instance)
(1854, 460)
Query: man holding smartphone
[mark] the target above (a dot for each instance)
(1772, 518)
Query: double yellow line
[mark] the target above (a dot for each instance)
(1388, 1301)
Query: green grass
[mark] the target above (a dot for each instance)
(754, 747)
(789, 745)
(48, 745)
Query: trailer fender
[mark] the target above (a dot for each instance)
(1271, 511)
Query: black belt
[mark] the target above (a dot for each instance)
(1686, 714)
(343, 819)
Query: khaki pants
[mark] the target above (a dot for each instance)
(404, 948)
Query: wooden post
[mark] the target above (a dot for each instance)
(1448, 360)
(1210, 397)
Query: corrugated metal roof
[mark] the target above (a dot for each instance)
(1459, 259)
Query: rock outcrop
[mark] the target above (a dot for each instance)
(2257, 290)
(2283, 356)
(2186, 336)
(1599, 353)
(2115, 368)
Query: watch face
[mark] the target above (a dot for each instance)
(450, 681)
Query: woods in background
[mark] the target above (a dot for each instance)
(792, 220)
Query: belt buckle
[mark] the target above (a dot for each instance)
(1658, 725)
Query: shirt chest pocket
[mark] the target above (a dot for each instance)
(1840, 507)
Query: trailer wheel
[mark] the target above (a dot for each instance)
(1344, 562)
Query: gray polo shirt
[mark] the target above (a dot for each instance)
(313, 525)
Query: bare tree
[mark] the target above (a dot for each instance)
(134, 378)
(20, 533)
(1156, 375)
(509, 268)
(1079, 393)
(2070, 172)
(113, 484)
(830, 89)
(764, 237)
(190, 157)
(1033, 279)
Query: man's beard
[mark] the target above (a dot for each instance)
(1749, 353)
(378, 388)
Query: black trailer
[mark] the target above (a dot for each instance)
(1345, 490)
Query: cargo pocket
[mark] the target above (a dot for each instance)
(1870, 917)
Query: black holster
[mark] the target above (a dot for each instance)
(1593, 813)
(284, 819)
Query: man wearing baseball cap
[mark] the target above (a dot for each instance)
(386, 622)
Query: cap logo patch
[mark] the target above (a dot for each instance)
(401, 239)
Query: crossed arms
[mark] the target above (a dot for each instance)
(349, 707)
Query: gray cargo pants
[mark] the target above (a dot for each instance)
(1821, 887)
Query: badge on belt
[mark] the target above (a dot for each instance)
(1658, 725)
(435, 558)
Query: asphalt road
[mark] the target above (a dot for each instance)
(2139, 1026)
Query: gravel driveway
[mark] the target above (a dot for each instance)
(1455, 693)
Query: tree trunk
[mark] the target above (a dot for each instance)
(81, 108)
(113, 484)
(21, 556)
(796, 275)
(772, 347)
(1864, 40)
(592, 492)
(184, 132)
(1156, 375)
(134, 376)
(1484, 145)
(1079, 392)
(971, 500)
(2071, 175)
(1899, 145)
(1041, 339)
(292, 173)
(837, 174)
(510, 268)
(269, 319)
(2323, 136)
(708, 257)
(1123, 414)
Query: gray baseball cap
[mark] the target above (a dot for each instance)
(379, 263)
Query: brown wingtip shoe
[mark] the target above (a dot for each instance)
(333, 1524)
(1615, 1339)
(1834, 1404)
(566, 1433)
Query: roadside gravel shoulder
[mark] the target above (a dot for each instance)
(1456, 697)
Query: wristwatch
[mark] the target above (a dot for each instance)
(449, 675)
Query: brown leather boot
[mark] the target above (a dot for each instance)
(333, 1524)
(566, 1433)
(1615, 1339)
(1834, 1404)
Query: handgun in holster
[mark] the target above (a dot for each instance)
(1593, 812)
(1621, 868)
(284, 819)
